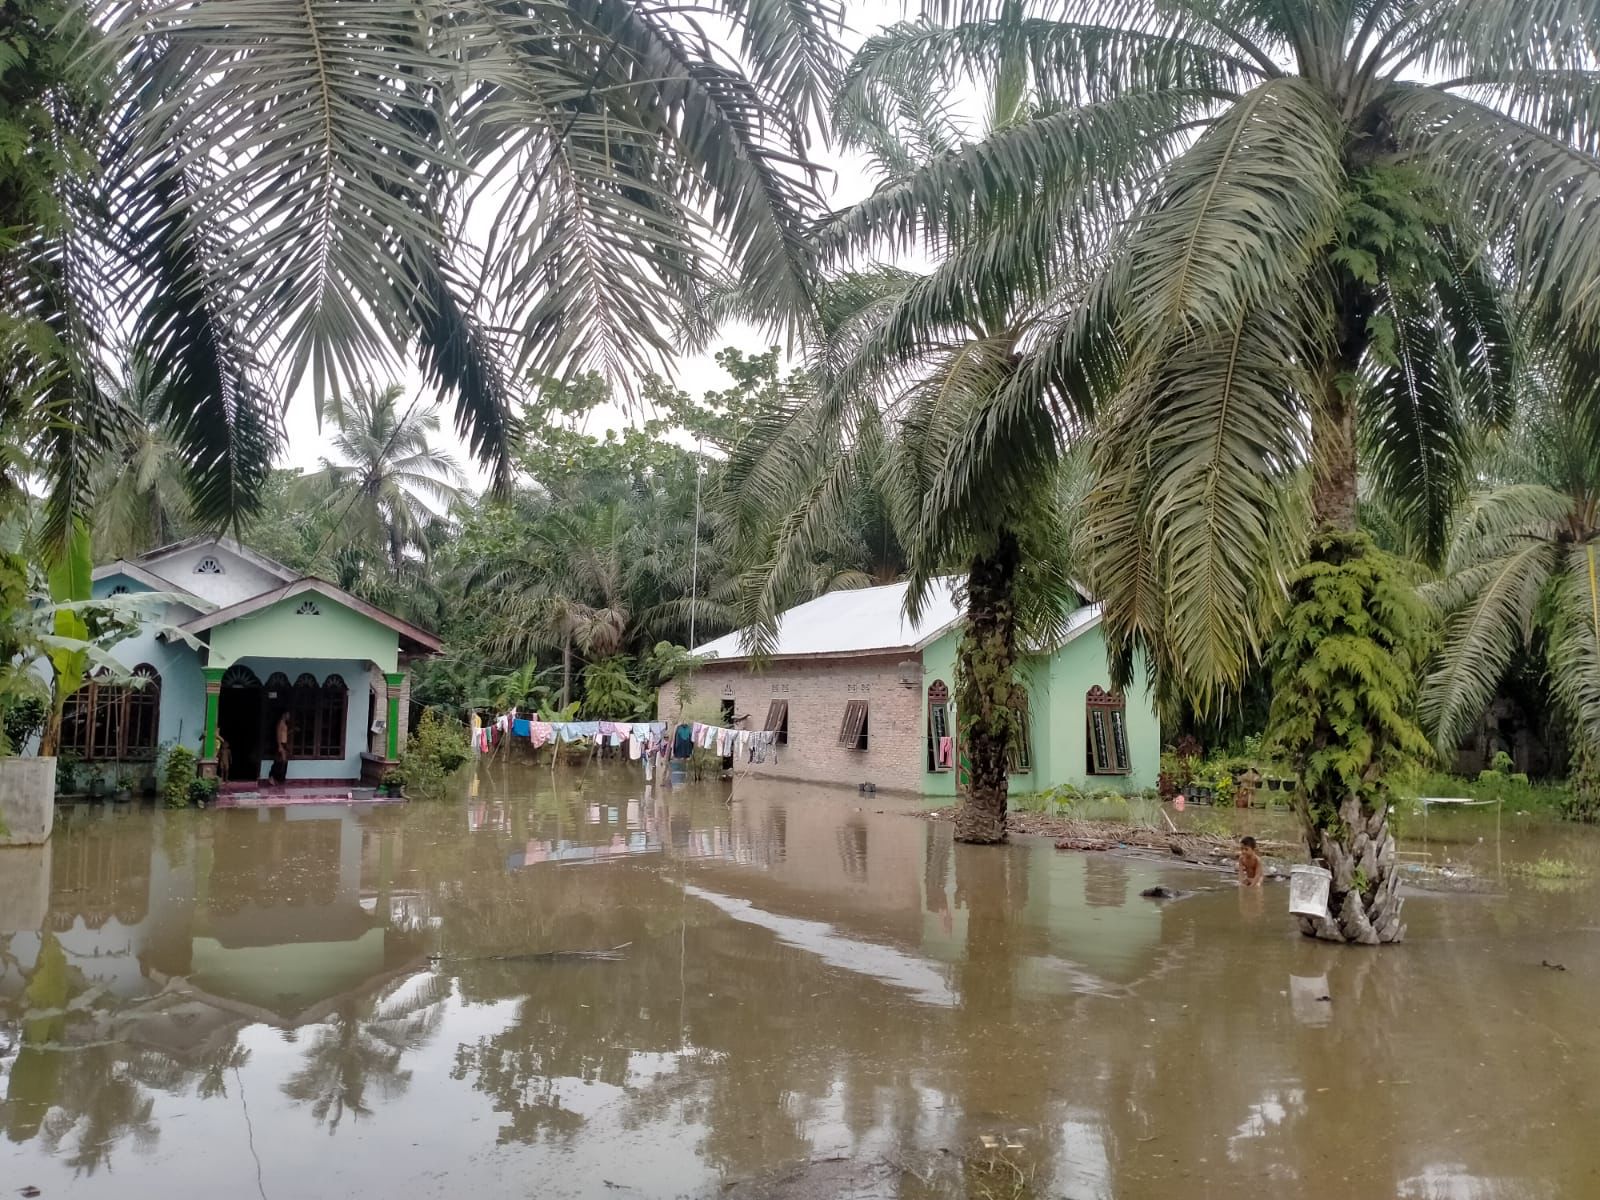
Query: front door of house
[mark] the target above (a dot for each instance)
(240, 723)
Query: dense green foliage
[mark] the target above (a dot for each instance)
(178, 776)
(1353, 640)
(436, 750)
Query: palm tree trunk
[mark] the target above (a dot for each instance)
(566, 670)
(986, 700)
(1346, 833)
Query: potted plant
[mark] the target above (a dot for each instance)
(97, 782)
(69, 774)
(393, 782)
(124, 791)
(203, 791)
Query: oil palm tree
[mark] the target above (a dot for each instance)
(902, 394)
(1317, 207)
(389, 472)
(1525, 557)
(142, 504)
(269, 196)
(563, 588)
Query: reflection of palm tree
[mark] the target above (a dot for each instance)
(389, 469)
(363, 1045)
(215, 1065)
(99, 1098)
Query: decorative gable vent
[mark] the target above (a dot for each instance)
(120, 590)
(307, 609)
(208, 566)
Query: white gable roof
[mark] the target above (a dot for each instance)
(858, 621)
(873, 621)
(217, 569)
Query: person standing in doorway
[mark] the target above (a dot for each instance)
(280, 750)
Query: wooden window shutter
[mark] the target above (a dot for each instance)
(853, 731)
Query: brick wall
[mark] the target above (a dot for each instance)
(817, 692)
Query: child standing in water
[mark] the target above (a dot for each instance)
(1251, 870)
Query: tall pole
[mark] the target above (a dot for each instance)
(694, 554)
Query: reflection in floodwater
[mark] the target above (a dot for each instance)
(811, 998)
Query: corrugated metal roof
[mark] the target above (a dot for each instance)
(868, 620)
(857, 621)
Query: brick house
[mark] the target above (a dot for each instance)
(858, 693)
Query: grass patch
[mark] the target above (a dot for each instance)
(1548, 869)
(1515, 792)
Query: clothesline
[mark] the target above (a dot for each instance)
(640, 735)
(753, 744)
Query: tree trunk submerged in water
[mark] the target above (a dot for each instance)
(1346, 682)
(986, 687)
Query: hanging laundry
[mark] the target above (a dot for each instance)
(683, 741)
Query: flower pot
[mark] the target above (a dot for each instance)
(122, 795)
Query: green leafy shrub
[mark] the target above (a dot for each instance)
(24, 717)
(393, 781)
(178, 777)
(202, 791)
(436, 750)
(610, 692)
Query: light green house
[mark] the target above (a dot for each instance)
(263, 641)
(1080, 732)
(859, 693)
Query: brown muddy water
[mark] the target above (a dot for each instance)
(813, 998)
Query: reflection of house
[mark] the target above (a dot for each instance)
(269, 920)
(857, 693)
(271, 643)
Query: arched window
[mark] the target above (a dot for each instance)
(303, 702)
(239, 676)
(1108, 733)
(107, 721)
(1021, 754)
(331, 717)
(141, 718)
(941, 742)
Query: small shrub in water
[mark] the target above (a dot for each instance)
(178, 777)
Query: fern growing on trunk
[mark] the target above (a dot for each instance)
(1353, 641)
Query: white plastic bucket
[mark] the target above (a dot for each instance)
(1308, 890)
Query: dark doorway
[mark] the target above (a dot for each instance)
(240, 722)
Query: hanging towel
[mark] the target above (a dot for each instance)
(944, 752)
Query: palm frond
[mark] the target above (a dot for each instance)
(1493, 613)
(1240, 218)
(1538, 193)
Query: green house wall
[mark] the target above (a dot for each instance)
(1057, 685)
(278, 631)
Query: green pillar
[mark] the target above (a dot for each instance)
(208, 746)
(393, 728)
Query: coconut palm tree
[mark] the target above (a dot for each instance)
(1316, 207)
(1525, 557)
(389, 472)
(269, 197)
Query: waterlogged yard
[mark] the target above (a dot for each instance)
(807, 994)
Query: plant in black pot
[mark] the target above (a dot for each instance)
(124, 791)
(203, 791)
(393, 783)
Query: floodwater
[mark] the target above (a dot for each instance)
(809, 997)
